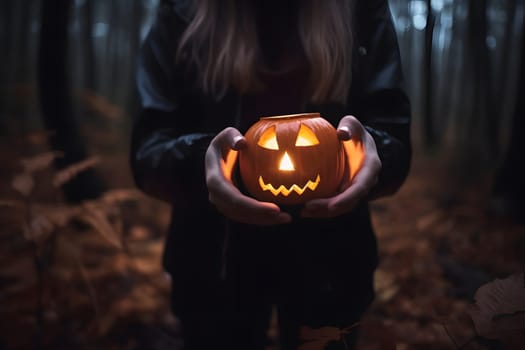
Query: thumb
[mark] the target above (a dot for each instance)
(231, 138)
(349, 127)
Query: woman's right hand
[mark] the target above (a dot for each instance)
(220, 160)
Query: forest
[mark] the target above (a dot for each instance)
(81, 246)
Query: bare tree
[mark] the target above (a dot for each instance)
(55, 98)
(88, 46)
(509, 184)
(430, 138)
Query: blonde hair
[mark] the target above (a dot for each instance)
(221, 40)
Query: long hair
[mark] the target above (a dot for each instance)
(221, 39)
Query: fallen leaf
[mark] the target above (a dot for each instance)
(427, 221)
(23, 183)
(499, 307)
(385, 285)
(319, 338)
(139, 233)
(16, 277)
(11, 203)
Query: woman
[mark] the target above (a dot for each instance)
(206, 73)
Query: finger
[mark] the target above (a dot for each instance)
(259, 213)
(361, 185)
(224, 195)
(239, 142)
(344, 133)
(220, 148)
(349, 127)
(232, 203)
(347, 200)
(317, 208)
(261, 219)
(335, 206)
(230, 138)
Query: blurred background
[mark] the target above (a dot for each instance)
(80, 246)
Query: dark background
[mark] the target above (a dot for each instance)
(80, 247)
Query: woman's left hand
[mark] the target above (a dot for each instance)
(363, 167)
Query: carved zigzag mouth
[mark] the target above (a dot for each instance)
(281, 190)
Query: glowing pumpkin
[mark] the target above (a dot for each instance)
(291, 159)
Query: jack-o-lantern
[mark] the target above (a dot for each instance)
(291, 159)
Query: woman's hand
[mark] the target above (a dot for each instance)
(221, 156)
(363, 167)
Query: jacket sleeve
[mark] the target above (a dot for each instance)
(167, 153)
(382, 104)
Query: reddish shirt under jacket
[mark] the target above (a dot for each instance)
(283, 92)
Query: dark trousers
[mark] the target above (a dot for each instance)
(324, 323)
(319, 293)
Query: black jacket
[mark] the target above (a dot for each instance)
(177, 122)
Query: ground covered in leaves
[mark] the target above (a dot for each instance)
(89, 276)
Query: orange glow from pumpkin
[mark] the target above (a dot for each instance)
(355, 156)
(306, 137)
(281, 190)
(268, 139)
(286, 163)
(228, 164)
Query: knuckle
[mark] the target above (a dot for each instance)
(353, 121)
(228, 130)
(350, 118)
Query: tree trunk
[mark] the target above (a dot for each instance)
(429, 132)
(6, 22)
(55, 99)
(506, 75)
(90, 79)
(483, 125)
(509, 184)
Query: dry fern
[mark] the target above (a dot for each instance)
(39, 162)
(66, 174)
(24, 182)
(46, 219)
(117, 196)
(47, 228)
(101, 105)
(96, 217)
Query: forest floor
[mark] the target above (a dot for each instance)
(89, 276)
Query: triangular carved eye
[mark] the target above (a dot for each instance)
(306, 137)
(268, 139)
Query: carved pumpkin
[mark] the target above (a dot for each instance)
(291, 159)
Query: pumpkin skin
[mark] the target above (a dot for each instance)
(292, 159)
